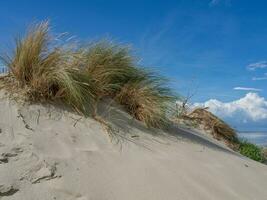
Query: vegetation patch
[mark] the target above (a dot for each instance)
(252, 151)
(82, 76)
(217, 127)
(147, 99)
(45, 70)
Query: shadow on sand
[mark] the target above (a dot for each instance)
(124, 126)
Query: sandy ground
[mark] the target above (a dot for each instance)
(47, 153)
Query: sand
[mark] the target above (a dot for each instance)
(49, 153)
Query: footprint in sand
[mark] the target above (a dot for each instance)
(40, 172)
(8, 190)
(6, 156)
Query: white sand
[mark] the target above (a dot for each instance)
(47, 153)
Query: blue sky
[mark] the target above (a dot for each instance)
(214, 47)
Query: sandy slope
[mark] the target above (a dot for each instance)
(48, 153)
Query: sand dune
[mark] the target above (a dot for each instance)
(48, 153)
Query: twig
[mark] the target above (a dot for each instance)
(76, 121)
(25, 123)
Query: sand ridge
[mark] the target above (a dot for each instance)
(49, 153)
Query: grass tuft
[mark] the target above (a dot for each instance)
(146, 98)
(219, 129)
(81, 77)
(110, 66)
(45, 71)
(115, 75)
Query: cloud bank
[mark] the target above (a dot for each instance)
(247, 89)
(251, 107)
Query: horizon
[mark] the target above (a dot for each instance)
(212, 48)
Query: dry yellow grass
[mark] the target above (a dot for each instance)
(146, 98)
(81, 77)
(110, 66)
(219, 129)
(115, 75)
(44, 70)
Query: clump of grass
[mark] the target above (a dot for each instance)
(146, 98)
(44, 70)
(219, 129)
(82, 77)
(252, 151)
(110, 65)
(115, 75)
(222, 131)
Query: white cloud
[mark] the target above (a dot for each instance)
(250, 107)
(257, 65)
(247, 89)
(264, 77)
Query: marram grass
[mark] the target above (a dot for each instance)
(45, 69)
(143, 94)
(81, 77)
(146, 98)
(110, 66)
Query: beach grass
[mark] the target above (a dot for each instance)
(147, 98)
(44, 69)
(81, 77)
